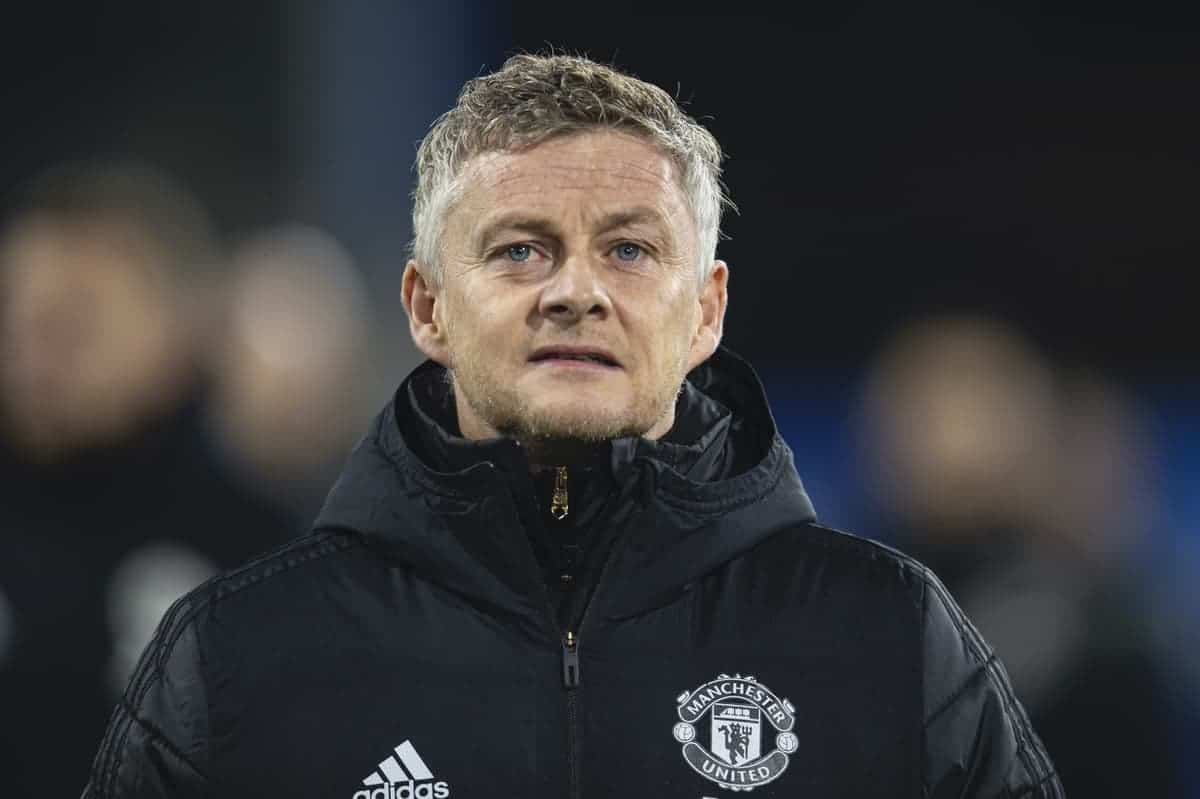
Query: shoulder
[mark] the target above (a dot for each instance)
(873, 574)
(880, 574)
(970, 713)
(162, 723)
(228, 612)
(295, 560)
(850, 562)
(260, 586)
(257, 577)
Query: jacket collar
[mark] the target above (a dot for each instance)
(428, 424)
(450, 508)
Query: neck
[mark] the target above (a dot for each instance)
(547, 453)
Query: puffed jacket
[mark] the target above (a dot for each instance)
(661, 619)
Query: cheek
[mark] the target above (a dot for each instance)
(491, 326)
(664, 329)
(678, 320)
(480, 323)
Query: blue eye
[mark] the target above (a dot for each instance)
(628, 251)
(520, 252)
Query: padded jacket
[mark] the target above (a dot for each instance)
(664, 619)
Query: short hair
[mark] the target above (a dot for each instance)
(532, 98)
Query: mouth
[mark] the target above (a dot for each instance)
(575, 356)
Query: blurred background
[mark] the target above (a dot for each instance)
(959, 264)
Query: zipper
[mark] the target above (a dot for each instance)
(571, 682)
(571, 675)
(559, 508)
(559, 505)
(570, 661)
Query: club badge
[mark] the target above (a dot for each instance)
(741, 713)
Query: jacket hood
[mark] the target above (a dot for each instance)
(684, 505)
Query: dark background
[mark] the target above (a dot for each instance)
(886, 160)
(1038, 164)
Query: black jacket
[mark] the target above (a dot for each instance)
(686, 630)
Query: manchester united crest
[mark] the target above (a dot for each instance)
(725, 726)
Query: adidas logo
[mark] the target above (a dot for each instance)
(403, 775)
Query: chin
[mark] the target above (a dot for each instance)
(580, 420)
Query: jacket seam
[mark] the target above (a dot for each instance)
(180, 616)
(146, 674)
(112, 761)
(174, 623)
(924, 688)
(316, 550)
(399, 458)
(1030, 789)
(432, 486)
(1033, 757)
(949, 701)
(208, 710)
(403, 461)
(912, 570)
(1026, 751)
(158, 735)
(138, 687)
(741, 500)
(220, 591)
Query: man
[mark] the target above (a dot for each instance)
(555, 566)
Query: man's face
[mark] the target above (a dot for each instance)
(569, 305)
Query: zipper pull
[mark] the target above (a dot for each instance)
(558, 503)
(571, 661)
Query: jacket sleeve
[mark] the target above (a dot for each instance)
(979, 743)
(156, 743)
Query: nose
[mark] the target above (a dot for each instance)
(574, 292)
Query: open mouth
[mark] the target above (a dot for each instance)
(579, 355)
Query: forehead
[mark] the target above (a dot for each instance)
(599, 171)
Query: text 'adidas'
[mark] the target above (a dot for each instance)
(403, 775)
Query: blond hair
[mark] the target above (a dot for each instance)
(533, 98)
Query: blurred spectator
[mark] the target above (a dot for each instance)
(94, 329)
(292, 392)
(110, 507)
(1028, 492)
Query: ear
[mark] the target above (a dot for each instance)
(713, 298)
(424, 315)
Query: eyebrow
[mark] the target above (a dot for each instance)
(522, 221)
